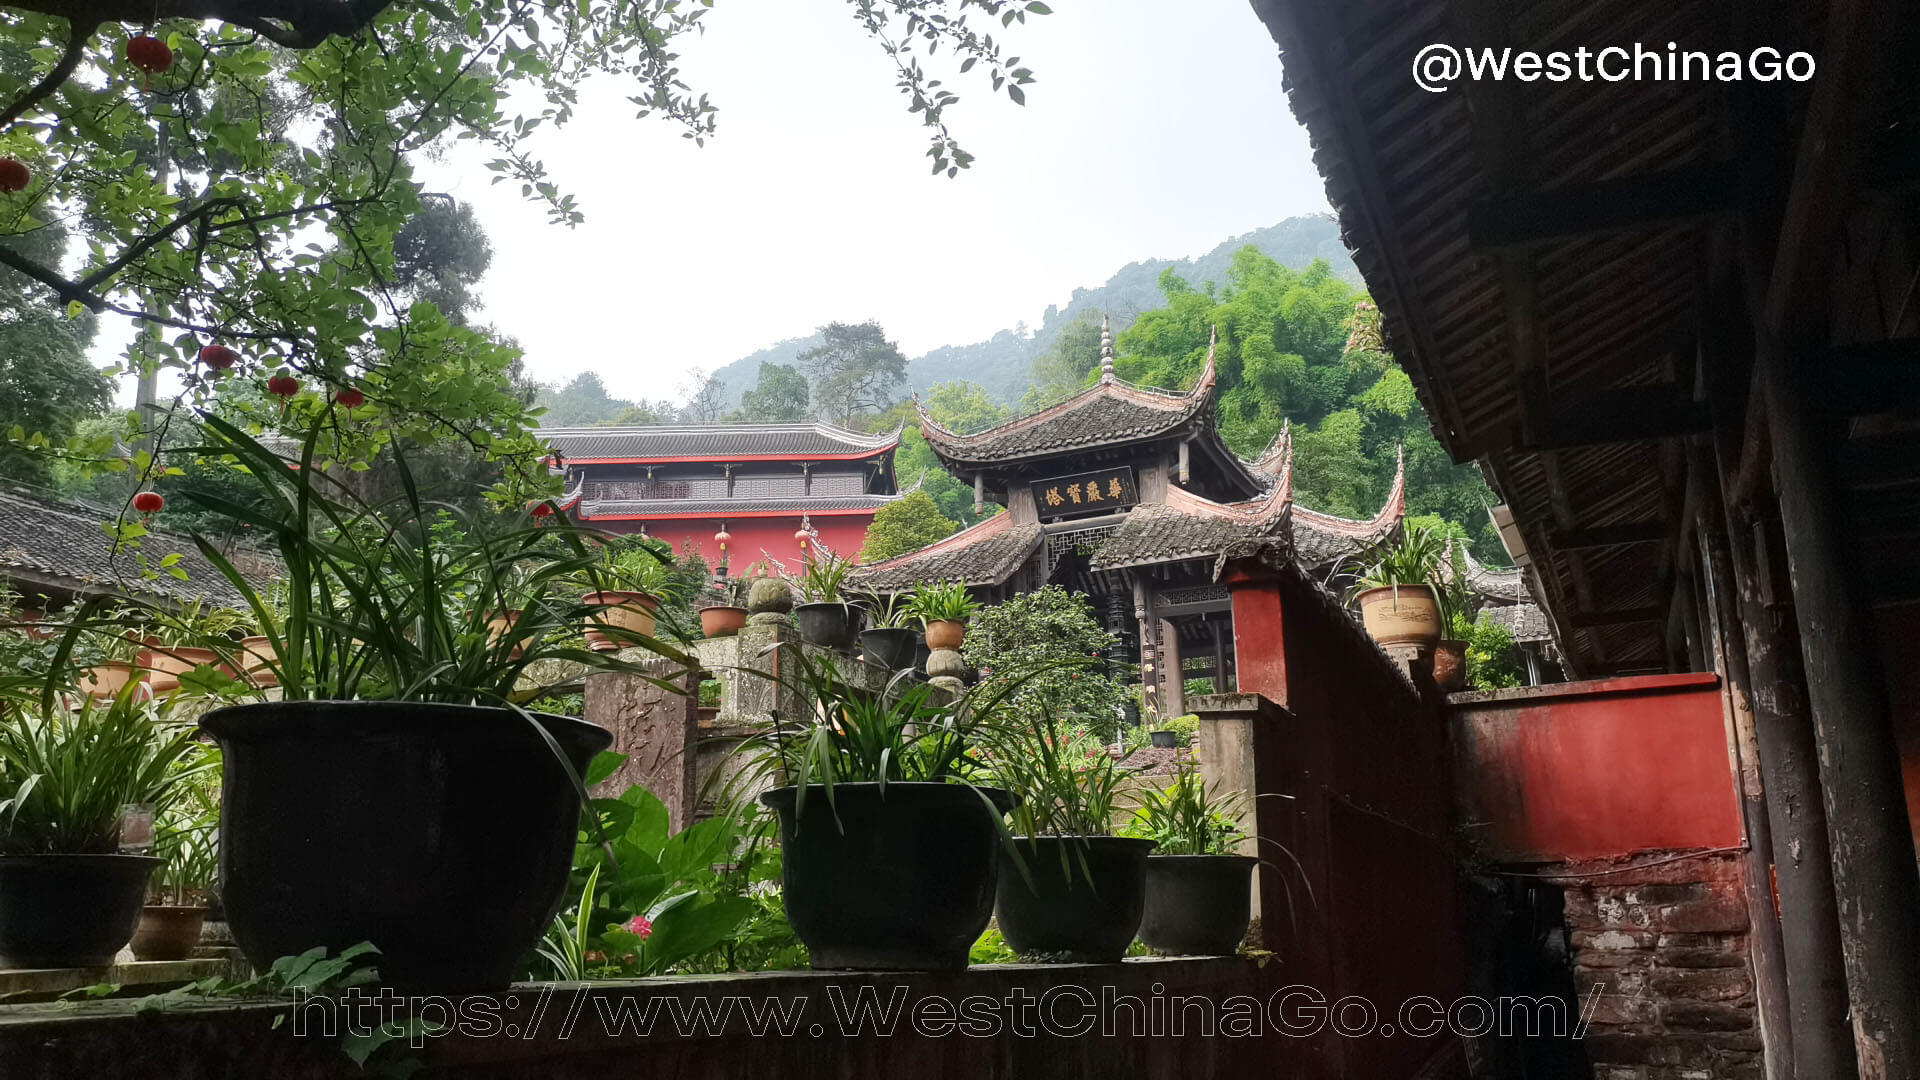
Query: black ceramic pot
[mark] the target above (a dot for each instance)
(1197, 905)
(893, 880)
(1069, 910)
(889, 647)
(1164, 740)
(69, 910)
(443, 834)
(920, 653)
(830, 626)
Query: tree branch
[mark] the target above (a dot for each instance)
(79, 32)
(66, 290)
(293, 24)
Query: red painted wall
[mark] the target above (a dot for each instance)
(1595, 769)
(752, 537)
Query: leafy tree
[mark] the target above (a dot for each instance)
(1050, 635)
(1304, 346)
(583, 400)
(780, 396)
(855, 369)
(252, 194)
(440, 255)
(958, 406)
(1065, 367)
(46, 383)
(908, 524)
(1492, 656)
(964, 407)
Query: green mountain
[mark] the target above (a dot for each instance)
(1003, 363)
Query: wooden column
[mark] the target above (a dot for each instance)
(1874, 876)
(1783, 736)
(1173, 664)
(1220, 684)
(1768, 950)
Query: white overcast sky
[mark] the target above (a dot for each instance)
(1155, 128)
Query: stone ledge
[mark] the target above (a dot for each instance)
(32, 984)
(570, 1031)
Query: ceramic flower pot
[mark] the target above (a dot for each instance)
(900, 879)
(167, 663)
(1080, 900)
(830, 626)
(945, 633)
(167, 931)
(1450, 664)
(69, 910)
(1197, 905)
(722, 620)
(629, 611)
(383, 821)
(890, 647)
(1401, 615)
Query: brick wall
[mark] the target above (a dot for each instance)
(1660, 961)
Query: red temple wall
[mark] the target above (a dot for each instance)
(844, 533)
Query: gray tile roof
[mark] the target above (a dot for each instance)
(1526, 622)
(1108, 412)
(984, 554)
(1155, 533)
(716, 441)
(49, 543)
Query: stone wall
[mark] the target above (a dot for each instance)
(1660, 960)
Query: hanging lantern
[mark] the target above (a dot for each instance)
(149, 54)
(149, 502)
(723, 538)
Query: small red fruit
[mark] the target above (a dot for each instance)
(218, 357)
(149, 54)
(350, 398)
(149, 502)
(283, 386)
(14, 175)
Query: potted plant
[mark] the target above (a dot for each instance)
(889, 642)
(1395, 591)
(826, 618)
(366, 803)
(945, 607)
(1199, 891)
(112, 662)
(1069, 890)
(68, 769)
(726, 617)
(185, 843)
(625, 603)
(889, 843)
(1455, 597)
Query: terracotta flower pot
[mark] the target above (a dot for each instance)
(257, 659)
(1401, 615)
(722, 620)
(1450, 664)
(108, 679)
(167, 931)
(945, 633)
(629, 611)
(168, 662)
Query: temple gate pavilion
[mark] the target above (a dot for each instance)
(1128, 494)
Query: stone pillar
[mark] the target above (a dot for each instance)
(1232, 728)
(1173, 666)
(655, 727)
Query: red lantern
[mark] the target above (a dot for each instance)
(283, 386)
(543, 510)
(723, 538)
(14, 175)
(149, 502)
(218, 357)
(149, 54)
(351, 398)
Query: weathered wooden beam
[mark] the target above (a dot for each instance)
(1628, 414)
(1630, 202)
(1597, 536)
(1654, 613)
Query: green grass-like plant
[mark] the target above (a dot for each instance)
(944, 601)
(67, 769)
(1187, 818)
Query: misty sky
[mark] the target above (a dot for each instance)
(1155, 128)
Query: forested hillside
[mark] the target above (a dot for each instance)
(1002, 364)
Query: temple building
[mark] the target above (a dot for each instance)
(736, 493)
(1128, 494)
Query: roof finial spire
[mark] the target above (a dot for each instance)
(1106, 350)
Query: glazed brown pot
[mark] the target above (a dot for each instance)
(1450, 664)
(945, 633)
(722, 620)
(1401, 615)
(168, 662)
(167, 931)
(629, 611)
